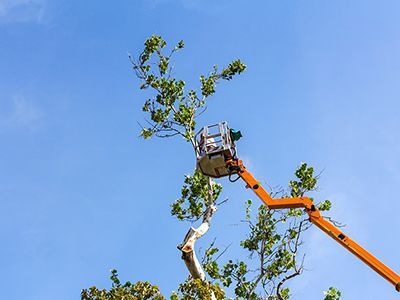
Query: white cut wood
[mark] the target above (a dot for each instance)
(187, 247)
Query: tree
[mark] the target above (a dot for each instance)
(274, 237)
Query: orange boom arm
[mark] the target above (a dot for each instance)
(236, 166)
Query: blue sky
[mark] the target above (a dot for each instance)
(80, 193)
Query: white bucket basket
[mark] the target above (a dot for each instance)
(214, 146)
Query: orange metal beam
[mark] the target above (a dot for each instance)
(236, 166)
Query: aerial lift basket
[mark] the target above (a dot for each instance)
(215, 145)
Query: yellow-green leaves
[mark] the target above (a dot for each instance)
(235, 67)
(307, 181)
(208, 84)
(141, 290)
(332, 294)
(192, 203)
(151, 45)
(196, 289)
(326, 205)
(171, 109)
(180, 45)
(146, 133)
(229, 273)
(163, 65)
(284, 293)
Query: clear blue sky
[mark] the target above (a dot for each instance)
(80, 193)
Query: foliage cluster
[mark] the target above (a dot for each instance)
(194, 197)
(173, 109)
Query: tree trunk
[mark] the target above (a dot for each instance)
(187, 247)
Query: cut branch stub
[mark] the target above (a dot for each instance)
(193, 234)
(188, 242)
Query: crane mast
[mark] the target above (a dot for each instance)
(217, 157)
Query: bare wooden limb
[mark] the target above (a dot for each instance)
(297, 272)
(279, 286)
(194, 234)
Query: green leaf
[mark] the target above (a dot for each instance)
(235, 67)
(146, 133)
(325, 206)
(194, 197)
(332, 294)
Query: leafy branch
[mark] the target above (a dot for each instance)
(171, 109)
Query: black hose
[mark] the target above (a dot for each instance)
(230, 168)
(233, 180)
